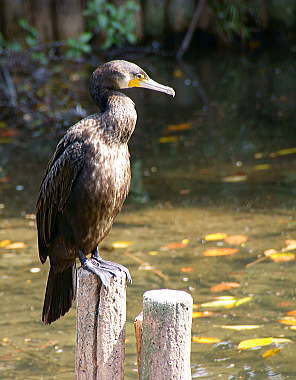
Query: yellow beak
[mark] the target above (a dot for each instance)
(152, 85)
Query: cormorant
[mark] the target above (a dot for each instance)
(86, 183)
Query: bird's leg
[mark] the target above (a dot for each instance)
(109, 265)
(104, 275)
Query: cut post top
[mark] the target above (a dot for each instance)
(167, 296)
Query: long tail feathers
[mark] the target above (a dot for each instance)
(60, 293)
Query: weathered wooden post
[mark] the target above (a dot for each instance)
(166, 335)
(101, 315)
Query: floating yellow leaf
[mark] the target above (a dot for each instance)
(215, 236)
(235, 178)
(240, 327)
(179, 127)
(236, 239)
(281, 257)
(242, 301)
(290, 321)
(153, 253)
(205, 339)
(258, 155)
(270, 352)
(224, 286)
(258, 342)
(4, 243)
(220, 251)
(16, 245)
(122, 244)
(168, 139)
(253, 343)
(283, 152)
(201, 314)
(227, 302)
(262, 167)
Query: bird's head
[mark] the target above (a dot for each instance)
(120, 74)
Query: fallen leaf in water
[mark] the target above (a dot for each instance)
(258, 155)
(4, 243)
(168, 139)
(290, 245)
(153, 253)
(4, 179)
(5, 341)
(201, 314)
(220, 251)
(283, 152)
(241, 301)
(16, 245)
(176, 245)
(285, 304)
(235, 178)
(291, 312)
(253, 343)
(219, 302)
(205, 339)
(179, 127)
(258, 342)
(262, 167)
(269, 252)
(122, 244)
(8, 133)
(224, 286)
(178, 73)
(226, 302)
(236, 239)
(186, 269)
(215, 236)
(240, 327)
(281, 257)
(270, 352)
(290, 321)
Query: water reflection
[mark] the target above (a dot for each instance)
(227, 173)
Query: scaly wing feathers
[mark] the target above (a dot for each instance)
(55, 189)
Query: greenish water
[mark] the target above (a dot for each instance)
(225, 173)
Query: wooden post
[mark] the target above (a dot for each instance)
(138, 323)
(101, 315)
(166, 336)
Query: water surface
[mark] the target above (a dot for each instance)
(224, 171)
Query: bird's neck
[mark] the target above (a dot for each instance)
(118, 114)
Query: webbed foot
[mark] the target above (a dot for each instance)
(110, 266)
(105, 270)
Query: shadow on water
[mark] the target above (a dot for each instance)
(217, 158)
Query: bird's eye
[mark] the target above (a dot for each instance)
(140, 76)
